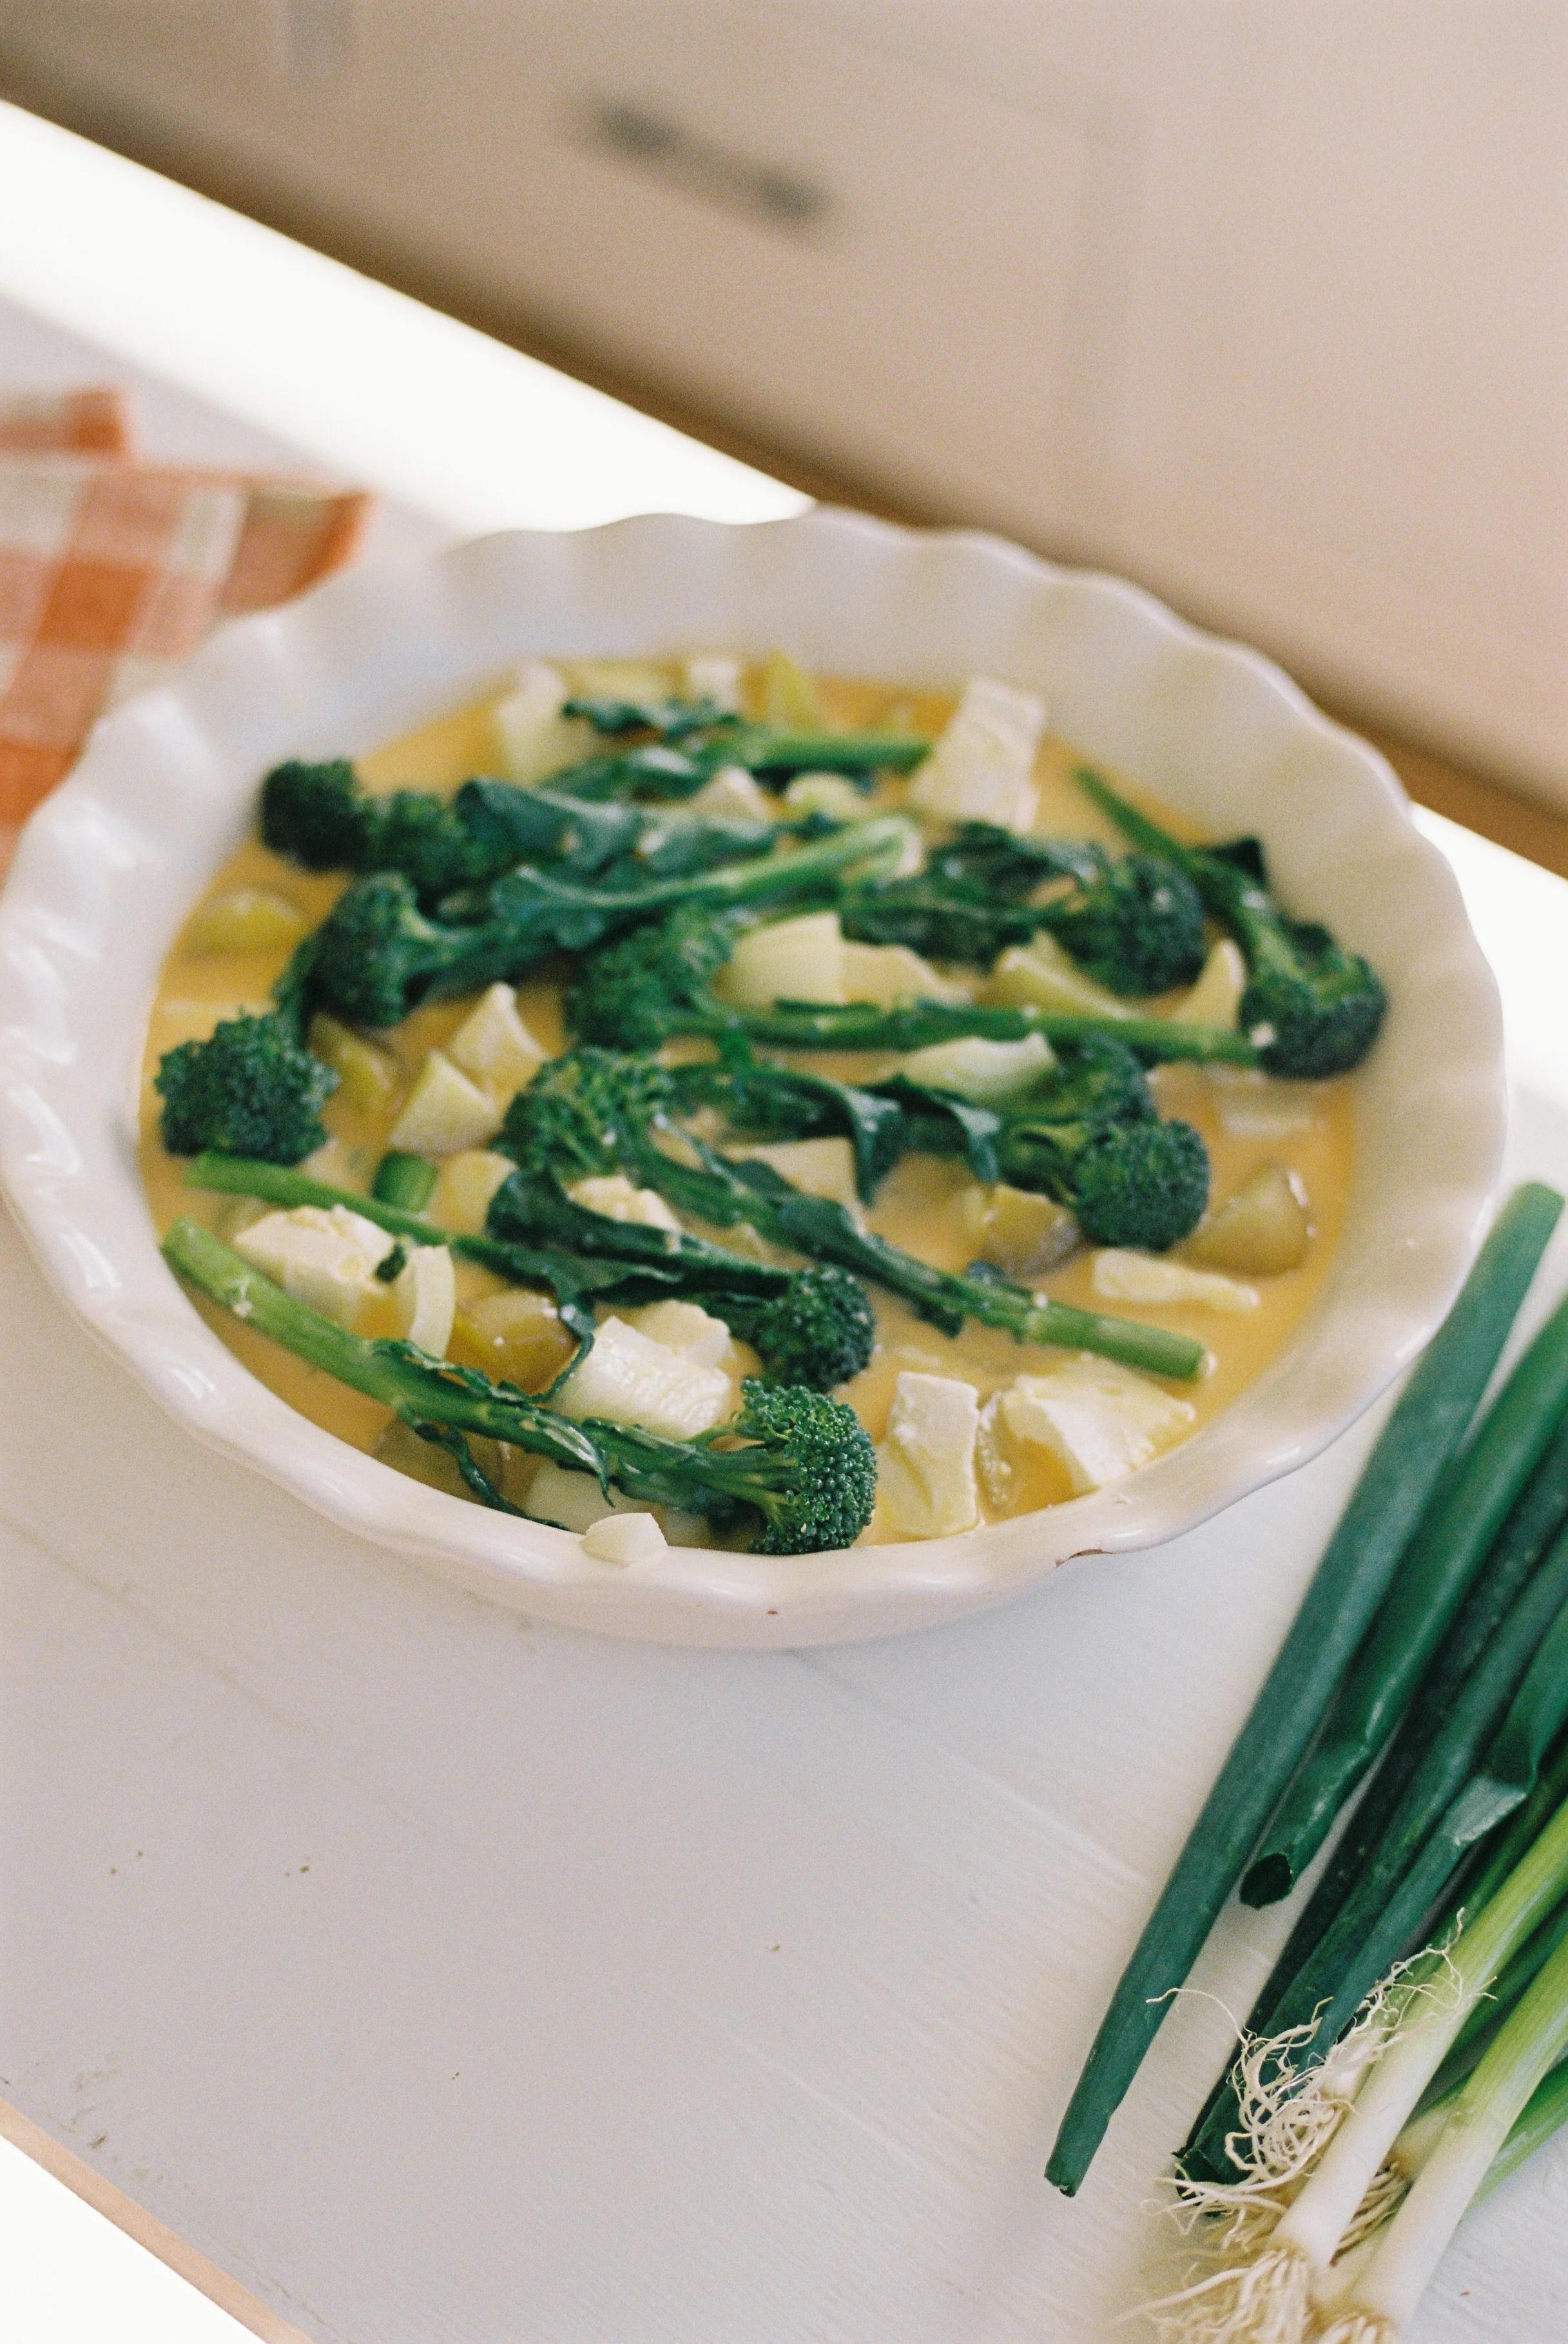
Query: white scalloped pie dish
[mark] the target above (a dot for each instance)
(111, 864)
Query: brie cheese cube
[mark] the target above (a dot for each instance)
(1041, 975)
(444, 1111)
(925, 1464)
(612, 1194)
(979, 1070)
(1099, 1420)
(821, 1167)
(323, 1257)
(982, 766)
(886, 974)
(682, 1327)
(731, 795)
(465, 1184)
(1122, 1275)
(629, 1379)
(493, 1047)
(573, 1500)
(628, 1537)
(1216, 998)
(715, 676)
(788, 960)
(425, 1295)
(532, 738)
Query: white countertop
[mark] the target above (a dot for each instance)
(450, 1980)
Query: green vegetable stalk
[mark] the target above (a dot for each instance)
(811, 1326)
(593, 1112)
(1432, 1582)
(656, 985)
(1312, 1008)
(801, 1467)
(1396, 1485)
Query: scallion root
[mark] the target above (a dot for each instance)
(1265, 2300)
(1261, 2293)
(1358, 2328)
(1388, 2191)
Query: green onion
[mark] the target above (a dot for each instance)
(404, 1179)
(1521, 1833)
(1422, 2013)
(1476, 2133)
(1459, 1703)
(1487, 2016)
(1432, 1582)
(1396, 1485)
(1545, 2112)
(1426, 1841)
(1446, 1691)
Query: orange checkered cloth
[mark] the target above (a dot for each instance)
(111, 571)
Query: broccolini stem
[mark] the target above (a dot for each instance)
(1226, 889)
(763, 750)
(279, 1184)
(724, 1195)
(1138, 830)
(417, 1389)
(860, 1025)
(871, 847)
(436, 1398)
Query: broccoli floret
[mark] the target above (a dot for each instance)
(808, 1468)
(795, 1464)
(583, 1112)
(321, 816)
(316, 813)
(251, 1090)
(1136, 924)
(1126, 1183)
(818, 1331)
(648, 987)
(377, 954)
(1311, 1008)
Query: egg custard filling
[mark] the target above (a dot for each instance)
(699, 1102)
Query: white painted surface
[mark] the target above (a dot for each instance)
(71, 2278)
(450, 1980)
(362, 379)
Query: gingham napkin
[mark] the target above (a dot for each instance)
(112, 572)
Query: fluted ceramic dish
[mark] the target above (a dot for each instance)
(112, 862)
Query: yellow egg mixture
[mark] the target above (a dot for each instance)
(929, 1206)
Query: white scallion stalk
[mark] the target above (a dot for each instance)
(1388, 2288)
(1438, 2002)
(1265, 2296)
